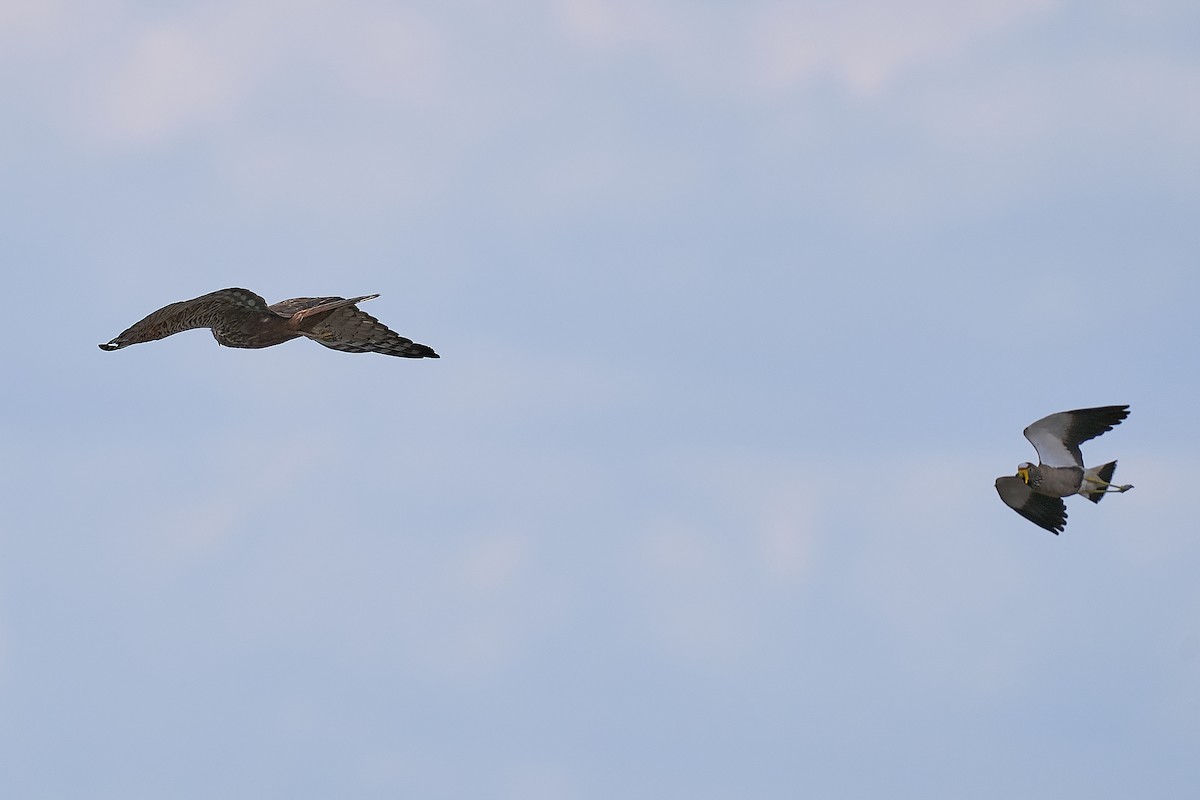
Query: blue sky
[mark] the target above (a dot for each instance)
(742, 309)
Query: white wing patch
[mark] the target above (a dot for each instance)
(1047, 435)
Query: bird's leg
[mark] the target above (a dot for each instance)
(1105, 486)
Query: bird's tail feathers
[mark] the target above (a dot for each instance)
(1104, 474)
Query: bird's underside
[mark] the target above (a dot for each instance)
(241, 318)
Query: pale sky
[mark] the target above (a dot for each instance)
(742, 308)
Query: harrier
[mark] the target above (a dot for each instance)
(1036, 492)
(240, 318)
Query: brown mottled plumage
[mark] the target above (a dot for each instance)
(240, 318)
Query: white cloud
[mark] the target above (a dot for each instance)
(171, 78)
(345, 108)
(611, 23)
(26, 22)
(164, 78)
(865, 44)
(779, 44)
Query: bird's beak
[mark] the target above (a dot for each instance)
(1023, 473)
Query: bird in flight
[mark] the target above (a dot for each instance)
(240, 318)
(1036, 491)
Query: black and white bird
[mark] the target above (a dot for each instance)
(1036, 491)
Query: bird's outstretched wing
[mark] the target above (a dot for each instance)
(353, 330)
(221, 310)
(1058, 436)
(1045, 512)
(300, 308)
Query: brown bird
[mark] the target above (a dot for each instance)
(1036, 491)
(240, 318)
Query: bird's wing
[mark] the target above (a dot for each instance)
(300, 308)
(1058, 436)
(1045, 512)
(288, 308)
(214, 310)
(352, 330)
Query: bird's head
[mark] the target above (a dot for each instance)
(1023, 470)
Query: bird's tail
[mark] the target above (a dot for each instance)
(1097, 480)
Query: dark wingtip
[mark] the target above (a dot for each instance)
(110, 346)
